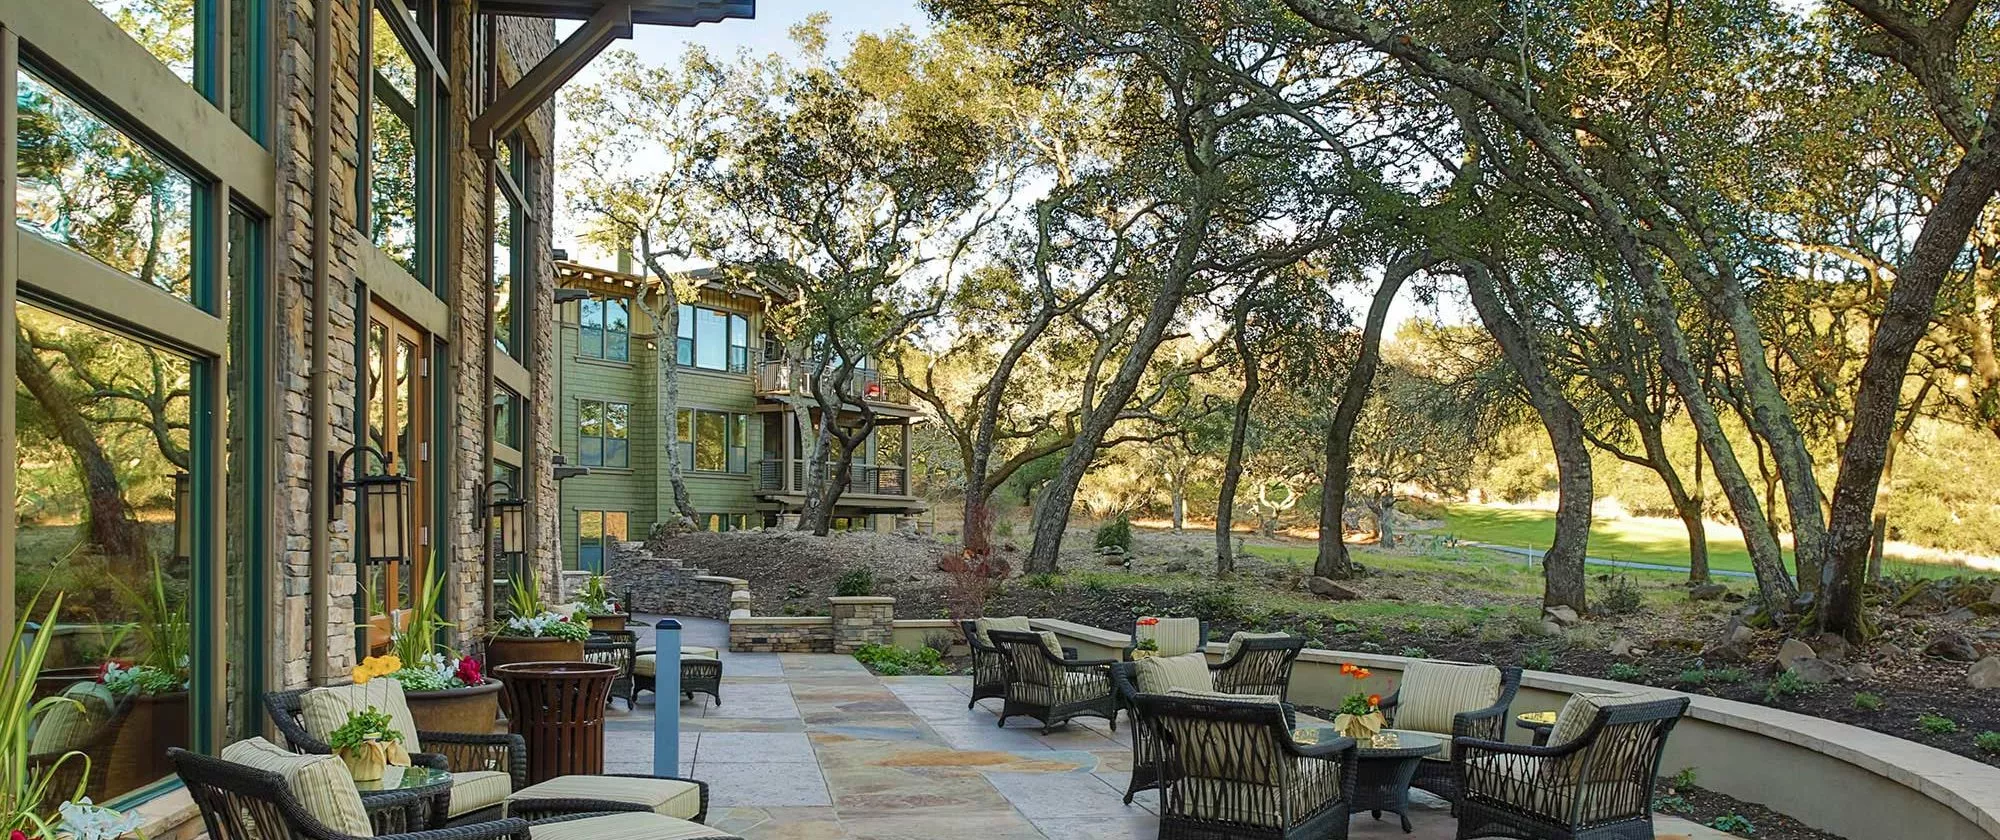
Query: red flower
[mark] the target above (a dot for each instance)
(1346, 668)
(1148, 621)
(18, 835)
(468, 671)
(1374, 699)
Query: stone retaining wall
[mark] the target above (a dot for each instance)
(663, 586)
(862, 620)
(781, 634)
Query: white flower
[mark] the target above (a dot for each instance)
(84, 821)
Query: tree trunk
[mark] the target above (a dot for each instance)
(814, 458)
(110, 526)
(1052, 506)
(1563, 564)
(978, 490)
(1180, 505)
(1232, 466)
(1333, 561)
(1688, 507)
(666, 325)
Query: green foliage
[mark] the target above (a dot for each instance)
(1672, 804)
(1115, 534)
(1784, 686)
(1414, 652)
(370, 724)
(1867, 701)
(854, 583)
(892, 661)
(1620, 597)
(1216, 603)
(419, 639)
(1539, 659)
(1987, 742)
(24, 787)
(1686, 777)
(1625, 672)
(1734, 824)
(1935, 724)
(1045, 581)
(595, 597)
(524, 596)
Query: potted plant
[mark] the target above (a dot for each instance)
(150, 689)
(1148, 647)
(447, 691)
(604, 611)
(30, 805)
(535, 633)
(368, 742)
(1360, 714)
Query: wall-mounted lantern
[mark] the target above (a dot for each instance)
(382, 501)
(183, 517)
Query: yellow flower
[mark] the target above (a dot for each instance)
(360, 674)
(390, 664)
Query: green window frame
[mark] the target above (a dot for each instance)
(595, 531)
(605, 329)
(713, 441)
(711, 339)
(604, 433)
(404, 85)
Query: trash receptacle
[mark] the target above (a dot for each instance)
(558, 708)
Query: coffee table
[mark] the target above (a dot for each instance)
(1384, 772)
(407, 799)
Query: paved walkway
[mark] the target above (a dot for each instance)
(813, 747)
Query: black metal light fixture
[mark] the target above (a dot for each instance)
(507, 506)
(183, 517)
(382, 501)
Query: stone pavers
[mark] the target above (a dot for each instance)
(814, 747)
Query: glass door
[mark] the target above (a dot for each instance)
(398, 416)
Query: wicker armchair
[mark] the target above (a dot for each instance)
(1258, 666)
(1440, 775)
(989, 664)
(620, 649)
(1596, 786)
(1232, 772)
(244, 803)
(458, 752)
(1050, 689)
(701, 673)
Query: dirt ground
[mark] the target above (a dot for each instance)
(1441, 603)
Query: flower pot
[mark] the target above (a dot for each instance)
(503, 650)
(472, 710)
(1359, 727)
(138, 751)
(365, 761)
(614, 621)
(1142, 653)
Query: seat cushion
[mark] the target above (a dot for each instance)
(648, 666)
(1435, 692)
(1237, 639)
(320, 783)
(325, 709)
(1172, 636)
(1576, 716)
(626, 826)
(476, 789)
(667, 797)
(1163, 674)
(698, 652)
(69, 726)
(1224, 695)
(1015, 624)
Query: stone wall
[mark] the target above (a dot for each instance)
(781, 634)
(663, 586)
(862, 620)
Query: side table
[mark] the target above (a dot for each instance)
(406, 799)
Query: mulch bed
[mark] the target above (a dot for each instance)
(1707, 806)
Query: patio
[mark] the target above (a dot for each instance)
(814, 746)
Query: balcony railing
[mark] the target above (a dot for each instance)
(776, 377)
(863, 478)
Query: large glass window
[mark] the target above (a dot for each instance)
(507, 418)
(712, 339)
(602, 431)
(164, 27)
(506, 226)
(90, 187)
(713, 441)
(596, 530)
(606, 329)
(393, 194)
(105, 515)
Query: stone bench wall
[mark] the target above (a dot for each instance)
(781, 634)
(862, 620)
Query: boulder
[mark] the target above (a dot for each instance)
(1328, 588)
(1984, 609)
(1174, 568)
(1818, 671)
(1792, 652)
(1548, 629)
(1623, 646)
(1861, 671)
(1984, 674)
(1708, 592)
(1733, 645)
(1953, 646)
(1831, 647)
(1562, 615)
(1891, 651)
(1960, 614)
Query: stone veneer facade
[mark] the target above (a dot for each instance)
(460, 454)
(862, 620)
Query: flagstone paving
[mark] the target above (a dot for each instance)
(814, 747)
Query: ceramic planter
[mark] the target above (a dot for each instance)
(504, 650)
(614, 621)
(473, 710)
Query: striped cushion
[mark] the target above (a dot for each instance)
(319, 782)
(1050, 643)
(1576, 716)
(1173, 636)
(626, 826)
(325, 709)
(667, 797)
(645, 665)
(478, 789)
(69, 726)
(1223, 695)
(698, 652)
(1237, 638)
(1435, 692)
(1162, 674)
(1015, 624)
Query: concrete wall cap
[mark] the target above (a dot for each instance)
(927, 623)
(861, 599)
(782, 620)
(720, 579)
(1081, 631)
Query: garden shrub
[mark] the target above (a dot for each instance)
(1116, 533)
(854, 583)
(1936, 724)
(1867, 701)
(892, 661)
(1988, 741)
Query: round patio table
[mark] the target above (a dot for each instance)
(1383, 772)
(405, 799)
(1540, 723)
(558, 708)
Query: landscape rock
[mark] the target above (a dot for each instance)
(1562, 615)
(1985, 609)
(1548, 629)
(1891, 651)
(1861, 671)
(1734, 643)
(1984, 674)
(1623, 646)
(1328, 588)
(1708, 592)
(1734, 597)
(1792, 652)
(1175, 567)
(1959, 614)
(1831, 647)
(1953, 646)
(1818, 671)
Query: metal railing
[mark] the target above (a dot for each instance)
(863, 478)
(776, 377)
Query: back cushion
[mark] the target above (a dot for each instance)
(1050, 643)
(325, 709)
(1576, 716)
(1174, 636)
(1435, 692)
(71, 725)
(1164, 674)
(320, 783)
(1013, 624)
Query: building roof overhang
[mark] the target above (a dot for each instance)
(650, 12)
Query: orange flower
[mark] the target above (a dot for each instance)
(1347, 668)
(1361, 673)
(1374, 699)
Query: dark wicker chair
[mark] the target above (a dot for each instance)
(698, 676)
(1441, 776)
(620, 649)
(1259, 666)
(989, 664)
(1145, 750)
(1050, 689)
(1596, 786)
(458, 752)
(244, 803)
(1231, 771)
